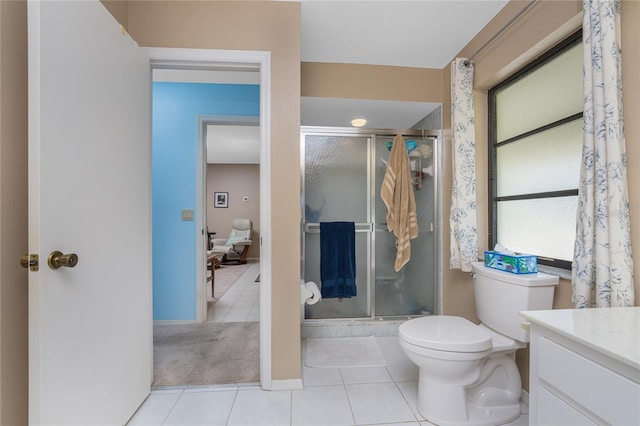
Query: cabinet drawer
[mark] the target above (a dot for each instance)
(605, 393)
(552, 411)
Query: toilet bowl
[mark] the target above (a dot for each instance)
(464, 378)
(468, 374)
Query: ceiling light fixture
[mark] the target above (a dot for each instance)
(358, 122)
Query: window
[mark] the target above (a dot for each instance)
(535, 143)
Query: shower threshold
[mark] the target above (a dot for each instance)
(354, 327)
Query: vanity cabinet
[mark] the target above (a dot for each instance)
(584, 367)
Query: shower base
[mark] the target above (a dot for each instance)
(387, 326)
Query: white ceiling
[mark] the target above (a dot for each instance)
(227, 144)
(335, 112)
(418, 33)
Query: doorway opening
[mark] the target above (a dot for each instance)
(230, 173)
(226, 62)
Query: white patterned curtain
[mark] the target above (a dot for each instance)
(462, 218)
(602, 262)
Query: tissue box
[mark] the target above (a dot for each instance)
(517, 264)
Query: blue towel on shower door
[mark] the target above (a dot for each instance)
(338, 259)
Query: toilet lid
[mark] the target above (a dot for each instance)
(445, 333)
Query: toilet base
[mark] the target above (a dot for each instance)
(481, 416)
(445, 404)
(475, 415)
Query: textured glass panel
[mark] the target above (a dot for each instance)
(550, 93)
(423, 170)
(547, 161)
(411, 290)
(336, 182)
(544, 227)
(336, 179)
(355, 307)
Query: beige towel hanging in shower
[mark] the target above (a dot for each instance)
(397, 195)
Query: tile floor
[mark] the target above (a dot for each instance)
(331, 396)
(241, 303)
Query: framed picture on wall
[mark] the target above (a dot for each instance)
(221, 199)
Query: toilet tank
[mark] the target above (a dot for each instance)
(500, 296)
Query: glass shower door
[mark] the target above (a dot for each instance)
(336, 183)
(410, 291)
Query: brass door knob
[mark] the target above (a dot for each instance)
(57, 259)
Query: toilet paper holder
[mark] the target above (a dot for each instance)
(309, 293)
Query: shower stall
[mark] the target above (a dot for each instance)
(342, 172)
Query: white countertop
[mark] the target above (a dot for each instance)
(612, 331)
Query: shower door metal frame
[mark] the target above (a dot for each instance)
(369, 227)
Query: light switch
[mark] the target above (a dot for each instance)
(187, 214)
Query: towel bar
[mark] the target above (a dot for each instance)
(314, 228)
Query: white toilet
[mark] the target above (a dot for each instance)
(468, 374)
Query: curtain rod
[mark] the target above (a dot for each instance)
(503, 29)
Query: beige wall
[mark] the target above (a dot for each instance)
(264, 26)
(353, 81)
(119, 9)
(238, 180)
(13, 216)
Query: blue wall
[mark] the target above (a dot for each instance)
(176, 107)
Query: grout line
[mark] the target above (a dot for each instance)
(233, 404)
(353, 416)
(291, 408)
(407, 401)
(172, 408)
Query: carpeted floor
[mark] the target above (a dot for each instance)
(206, 354)
(212, 352)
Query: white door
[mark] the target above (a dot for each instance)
(90, 326)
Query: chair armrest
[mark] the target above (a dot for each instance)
(243, 243)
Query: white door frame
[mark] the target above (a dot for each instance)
(201, 200)
(217, 59)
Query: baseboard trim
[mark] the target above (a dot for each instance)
(288, 384)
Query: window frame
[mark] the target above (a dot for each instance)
(493, 145)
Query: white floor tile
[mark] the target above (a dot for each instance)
(389, 344)
(202, 408)
(384, 396)
(321, 376)
(522, 421)
(399, 424)
(321, 406)
(401, 368)
(353, 375)
(410, 392)
(404, 371)
(378, 403)
(155, 408)
(260, 408)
